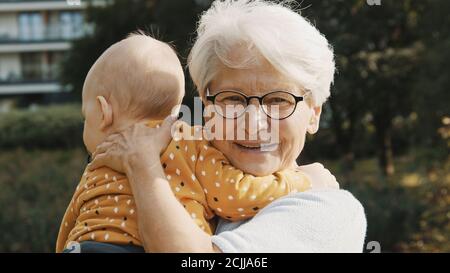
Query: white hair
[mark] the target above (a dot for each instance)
(291, 44)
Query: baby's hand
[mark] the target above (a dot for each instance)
(320, 177)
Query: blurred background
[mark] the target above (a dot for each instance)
(384, 132)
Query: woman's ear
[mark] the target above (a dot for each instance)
(313, 125)
(107, 113)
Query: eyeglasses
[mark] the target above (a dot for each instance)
(232, 104)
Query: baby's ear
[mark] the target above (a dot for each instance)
(107, 113)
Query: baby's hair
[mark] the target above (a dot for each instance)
(143, 75)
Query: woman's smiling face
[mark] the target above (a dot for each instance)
(247, 154)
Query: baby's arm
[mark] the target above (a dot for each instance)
(178, 162)
(234, 195)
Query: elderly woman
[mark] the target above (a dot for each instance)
(245, 52)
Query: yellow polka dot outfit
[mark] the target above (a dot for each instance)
(202, 179)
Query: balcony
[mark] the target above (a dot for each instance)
(29, 87)
(34, 35)
(13, 6)
(33, 46)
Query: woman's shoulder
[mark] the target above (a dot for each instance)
(333, 199)
(317, 221)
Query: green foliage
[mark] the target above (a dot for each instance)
(36, 188)
(48, 127)
(409, 211)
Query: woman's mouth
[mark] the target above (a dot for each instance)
(257, 147)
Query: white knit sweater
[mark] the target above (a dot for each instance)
(313, 221)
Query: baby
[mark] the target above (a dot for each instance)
(141, 79)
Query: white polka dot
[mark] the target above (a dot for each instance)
(240, 209)
(169, 177)
(114, 179)
(243, 215)
(120, 187)
(213, 161)
(123, 224)
(253, 197)
(205, 147)
(205, 190)
(128, 202)
(116, 198)
(85, 186)
(96, 201)
(177, 171)
(177, 189)
(125, 234)
(200, 158)
(193, 158)
(193, 177)
(93, 236)
(193, 192)
(95, 177)
(231, 181)
(219, 209)
(185, 148)
(106, 176)
(193, 215)
(111, 220)
(109, 197)
(108, 185)
(131, 211)
(217, 172)
(271, 198)
(106, 236)
(203, 173)
(171, 156)
(116, 210)
(87, 191)
(217, 184)
(230, 197)
(65, 224)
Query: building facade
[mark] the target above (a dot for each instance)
(34, 36)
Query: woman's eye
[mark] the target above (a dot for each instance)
(234, 99)
(277, 101)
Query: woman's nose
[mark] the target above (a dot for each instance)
(256, 119)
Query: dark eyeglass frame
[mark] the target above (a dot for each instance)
(212, 98)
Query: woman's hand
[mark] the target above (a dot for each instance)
(320, 177)
(135, 147)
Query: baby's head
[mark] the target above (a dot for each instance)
(136, 79)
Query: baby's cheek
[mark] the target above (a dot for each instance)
(88, 139)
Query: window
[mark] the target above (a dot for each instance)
(31, 26)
